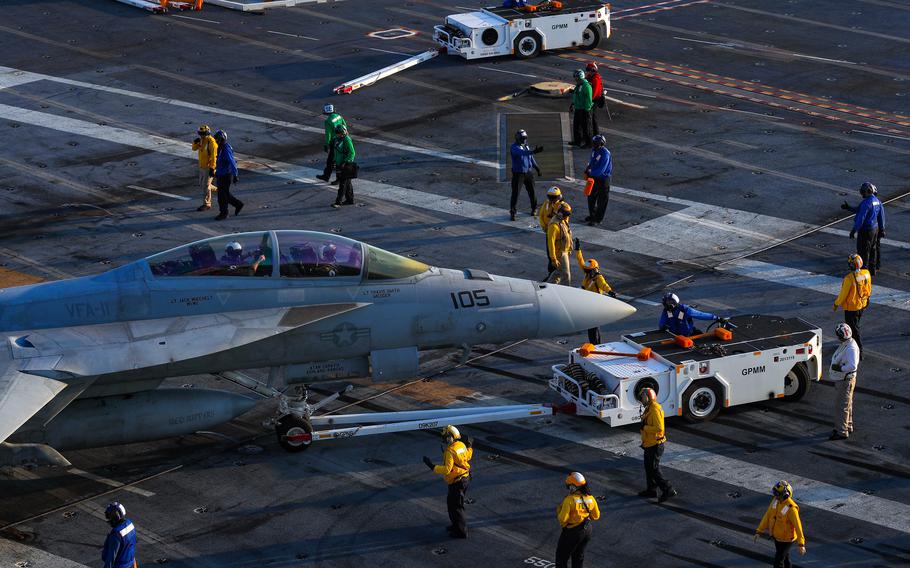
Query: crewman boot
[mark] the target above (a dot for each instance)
(322, 177)
(512, 215)
(665, 495)
(650, 493)
(335, 182)
(837, 436)
(221, 217)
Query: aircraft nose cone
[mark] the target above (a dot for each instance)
(565, 310)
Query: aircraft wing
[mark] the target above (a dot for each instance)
(52, 367)
(21, 396)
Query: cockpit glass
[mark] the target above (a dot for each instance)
(242, 254)
(306, 254)
(385, 265)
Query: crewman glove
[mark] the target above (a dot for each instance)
(428, 463)
(538, 172)
(538, 149)
(577, 244)
(852, 235)
(236, 179)
(469, 442)
(845, 206)
(211, 172)
(325, 148)
(196, 141)
(611, 293)
(881, 234)
(837, 367)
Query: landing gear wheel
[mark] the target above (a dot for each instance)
(527, 45)
(796, 383)
(290, 425)
(590, 38)
(702, 401)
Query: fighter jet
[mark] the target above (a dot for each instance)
(86, 356)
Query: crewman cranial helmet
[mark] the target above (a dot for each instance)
(855, 261)
(867, 189)
(670, 300)
(328, 109)
(579, 74)
(782, 490)
(647, 396)
(521, 136)
(204, 129)
(451, 432)
(115, 513)
(221, 135)
(591, 264)
(843, 331)
(554, 193)
(591, 67)
(341, 129)
(233, 248)
(599, 141)
(575, 480)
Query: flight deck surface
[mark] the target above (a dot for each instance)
(752, 122)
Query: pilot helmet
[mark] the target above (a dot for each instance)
(328, 251)
(233, 248)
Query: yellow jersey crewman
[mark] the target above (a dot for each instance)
(456, 470)
(854, 296)
(559, 245)
(545, 213)
(207, 150)
(653, 438)
(575, 514)
(782, 522)
(593, 281)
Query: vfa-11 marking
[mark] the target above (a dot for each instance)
(85, 356)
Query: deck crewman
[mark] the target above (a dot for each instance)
(868, 226)
(575, 514)
(456, 470)
(593, 281)
(844, 365)
(855, 291)
(522, 163)
(653, 438)
(332, 119)
(782, 522)
(120, 546)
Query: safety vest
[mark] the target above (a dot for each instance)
(456, 462)
(575, 509)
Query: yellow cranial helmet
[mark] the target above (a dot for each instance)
(576, 479)
(451, 431)
(782, 490)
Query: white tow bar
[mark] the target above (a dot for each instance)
(388, 422)
(371, 78)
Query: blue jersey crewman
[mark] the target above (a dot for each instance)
(120, 545)
(677, 318)
(868, 226)
(523, 162)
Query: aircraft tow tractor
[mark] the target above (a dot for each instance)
(749, 359)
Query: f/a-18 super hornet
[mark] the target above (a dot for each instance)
(85, 357)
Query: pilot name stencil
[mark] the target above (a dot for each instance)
(191, 301)
(345, 334)
(80, 310)
(382, 292)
